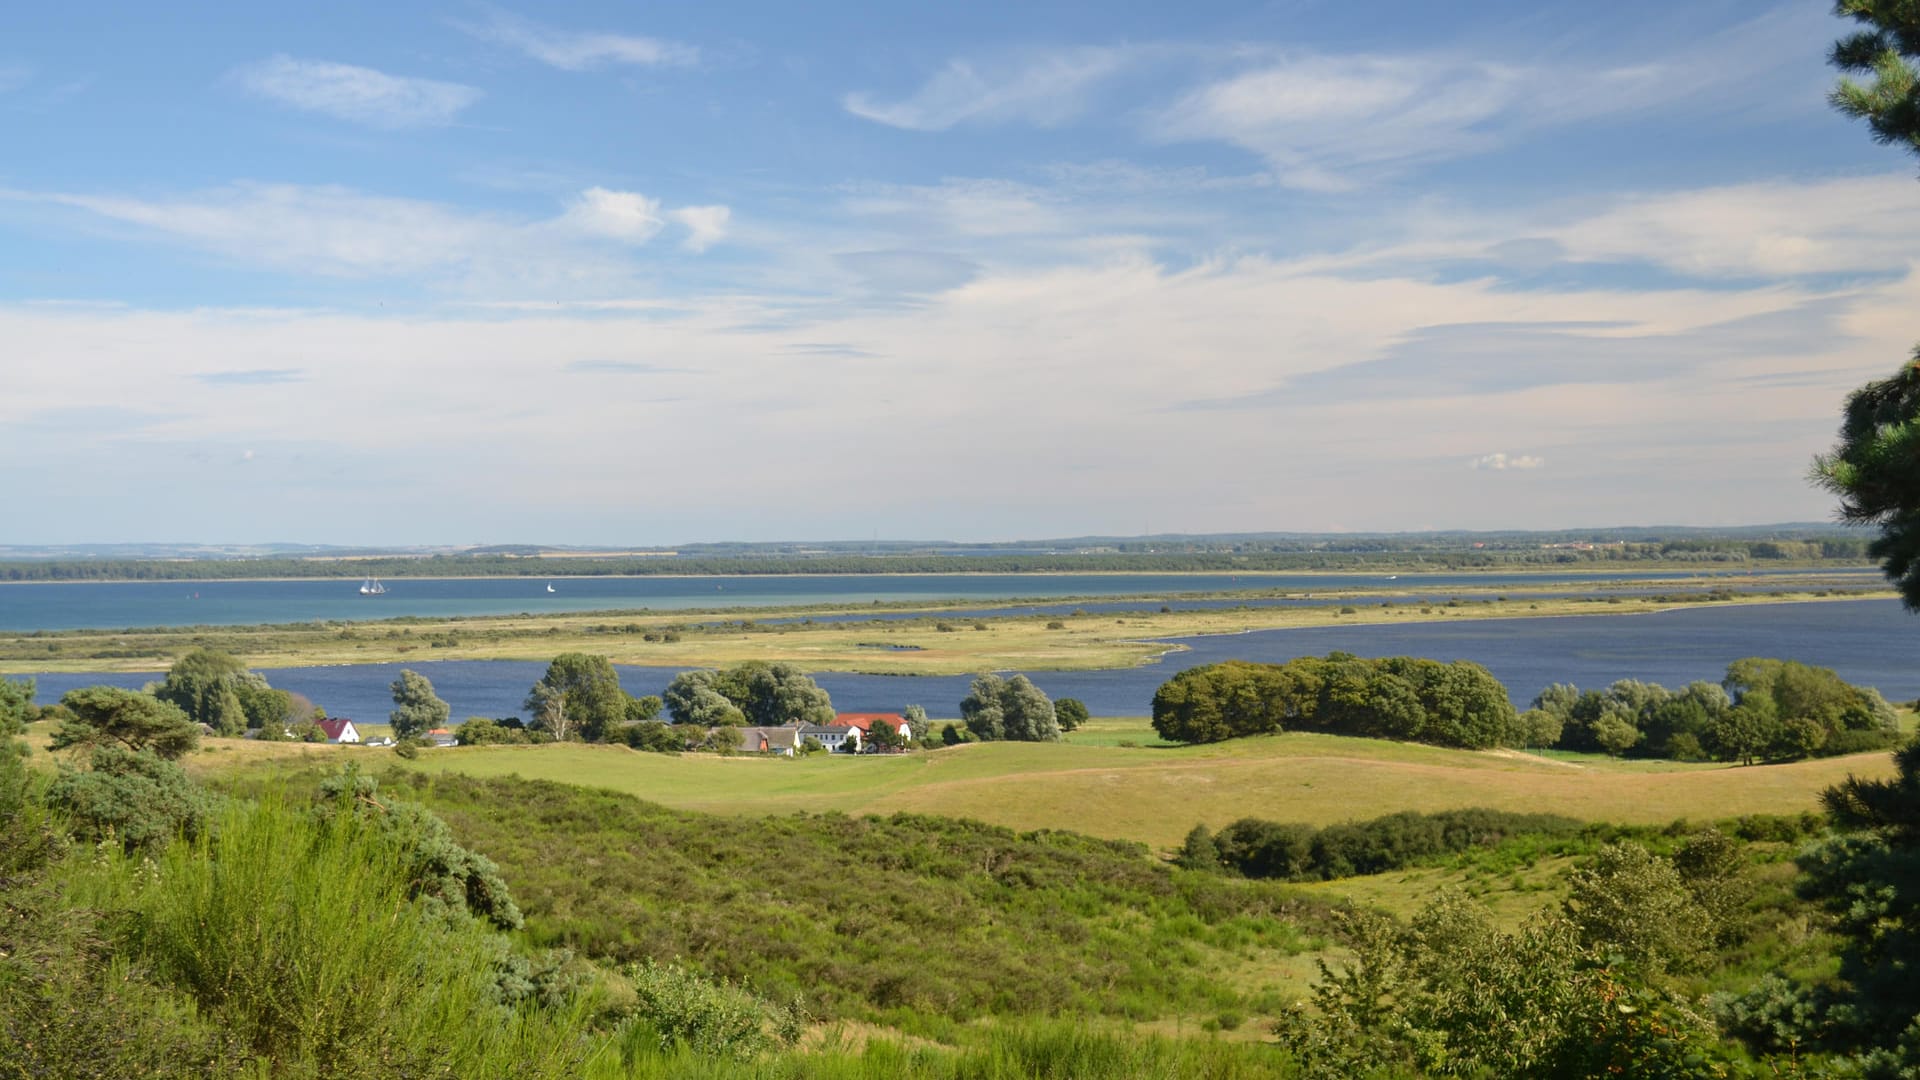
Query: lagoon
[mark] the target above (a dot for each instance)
(1870, 642)
(27, 607)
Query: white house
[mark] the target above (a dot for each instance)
(834, 737)
(339, 731)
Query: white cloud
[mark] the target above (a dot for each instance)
(1334, 121)
(340, 232)
(523, 396)
(1768, 228)
(1045, 89)
(705, 225)
(627, 216)
(14, 76)
(1499, 462)
(356, 94)
(577, 51)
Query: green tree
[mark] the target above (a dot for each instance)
(204, 685)
(105, 715)
(1615, 733)
(770, 695)
(1071, 713)
(416, 708)
(916, 718)
(1198, 851)
(1875, 468)
(643, 709)
(981, 709)
(694, 697)
(1630, 901)
(1012, 709)
(579, 695)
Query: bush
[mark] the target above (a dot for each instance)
(138, 799)
(676, 1007)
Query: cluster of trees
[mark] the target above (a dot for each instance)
(1012, 709)
(754, 694)
(1272, 849)
(216, 689)
(1764, 710)
(1447, 704)
(579, 697)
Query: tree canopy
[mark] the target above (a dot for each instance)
(580, 696)
(1012, 709)
(1875, 468)
(1405, 698)
(416, 708)
(104, 715)
(755, 692)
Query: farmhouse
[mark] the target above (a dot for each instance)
(834, 737)
(865, 721)
(339, 731)
(784, 741)
(442, 737)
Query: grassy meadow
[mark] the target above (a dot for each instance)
(1148, 793)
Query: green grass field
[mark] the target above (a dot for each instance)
(1149, 793)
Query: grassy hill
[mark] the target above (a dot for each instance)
(1147, 793)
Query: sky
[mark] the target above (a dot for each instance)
(654, 273)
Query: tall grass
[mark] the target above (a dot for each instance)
(1026, 1050)
(298, 938)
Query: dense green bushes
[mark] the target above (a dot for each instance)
(834, 911)
(1271, 849)
(1457, 704)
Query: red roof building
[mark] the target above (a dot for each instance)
(865, 721)
(340, 731)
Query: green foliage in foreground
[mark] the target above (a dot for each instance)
(867, 917)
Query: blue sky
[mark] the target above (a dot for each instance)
(651, 273)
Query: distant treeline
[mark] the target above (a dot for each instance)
(1378, 554)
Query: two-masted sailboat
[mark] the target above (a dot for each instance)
(372, 587)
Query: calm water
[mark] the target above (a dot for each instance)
(115, 605)
(1872, 642)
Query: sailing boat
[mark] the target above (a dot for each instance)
(372, 587)
(549, 586)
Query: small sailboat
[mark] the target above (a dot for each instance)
(372, 587)
(549, 586)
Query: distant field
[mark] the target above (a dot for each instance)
(1148, 793)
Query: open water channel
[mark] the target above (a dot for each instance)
(1871, 642)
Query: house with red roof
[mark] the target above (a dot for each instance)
(339, 731)
(865, 721)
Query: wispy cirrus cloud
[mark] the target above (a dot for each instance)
(334, 231)
(1041, 88)
(572, 50)
(358, 95)
(1335, 121)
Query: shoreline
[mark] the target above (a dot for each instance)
(1786, 566)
